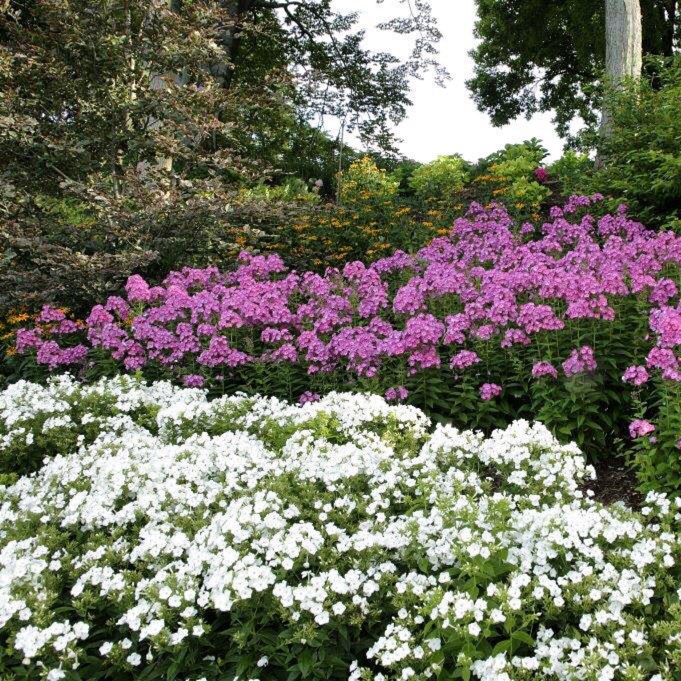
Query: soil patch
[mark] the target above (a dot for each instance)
(615, 482)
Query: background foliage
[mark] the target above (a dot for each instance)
(549, 56)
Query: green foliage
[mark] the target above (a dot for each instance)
(519, 37)
(507, 176)
(313, 156)
(439, 180)
(657, 459)
(292, 190)
(117, 143)
(516, 160)
(383, 207)
(573, 171)
(642, 156)
(548, 56)
(365, 185)
(64, 254)
(402, 174)
(128, 129)
(515, 167)
(640, 161)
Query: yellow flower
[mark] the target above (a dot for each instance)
(18, 318)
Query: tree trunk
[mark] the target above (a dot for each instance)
(671, 28)
(229, 38)
(623, 47)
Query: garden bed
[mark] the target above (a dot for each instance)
(615, 482)
(166, 535)
(575, 323)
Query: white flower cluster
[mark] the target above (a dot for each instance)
(241, 536)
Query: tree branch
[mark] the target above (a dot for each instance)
(281, 4)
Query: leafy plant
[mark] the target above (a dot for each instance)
(491, 322)
(641, 160)
(171, 536)
(440, 180)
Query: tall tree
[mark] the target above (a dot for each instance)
(549, 56)
(335, 75)
(125, 124)
(623, 39)
(90, 86)
(623, 47)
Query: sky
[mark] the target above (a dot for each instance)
(445, 120)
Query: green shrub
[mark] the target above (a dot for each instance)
(364, 185)
(642, 156)
(293, 189)
(574, 173)
(439, 180)
(508, 177)
(65, 253)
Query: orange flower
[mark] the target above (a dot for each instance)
(18, 318)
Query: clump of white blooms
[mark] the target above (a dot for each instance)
(248, 538)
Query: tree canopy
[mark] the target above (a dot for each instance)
(549, 56)
(103, 89)
(128, 128)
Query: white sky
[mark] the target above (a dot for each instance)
(446, 120)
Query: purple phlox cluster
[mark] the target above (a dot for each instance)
(636, 375)
(308, 397)
(28, 340)
(486, 287)
(51, 354)
(464, 359)
(666, 322)
(49, 314)
(581, 360)
(396, 394)
(488, 391)
(140, 292)
(541, 175)
(194, 381)
(663, 291)
(540, 369)
(640, 428)
(666, 361)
